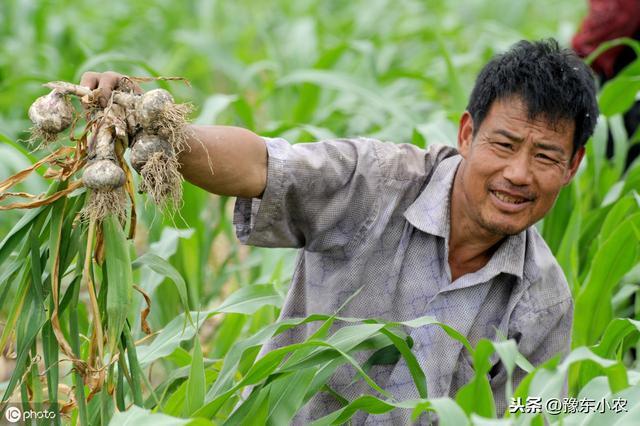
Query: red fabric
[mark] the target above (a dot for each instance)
(607, 19)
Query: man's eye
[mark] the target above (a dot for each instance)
(545, 158)
(504, 145)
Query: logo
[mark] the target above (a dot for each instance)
(13, 414)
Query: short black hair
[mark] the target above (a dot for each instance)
(553, 83)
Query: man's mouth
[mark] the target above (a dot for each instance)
(509, 198)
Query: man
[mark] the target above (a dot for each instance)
(441, 232)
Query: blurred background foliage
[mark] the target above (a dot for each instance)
(305, 70)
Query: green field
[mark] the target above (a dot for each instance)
(305, 70)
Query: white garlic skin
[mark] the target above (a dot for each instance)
(145, 145)
(103, 175)
(151, 107)
(52, 113)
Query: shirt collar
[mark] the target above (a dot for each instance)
(430, 213)
(509, 257)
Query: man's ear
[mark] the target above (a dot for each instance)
(465, 133)
(574, 164)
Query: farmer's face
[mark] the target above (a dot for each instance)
(514, 168)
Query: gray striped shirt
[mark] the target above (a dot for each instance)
(375, 215)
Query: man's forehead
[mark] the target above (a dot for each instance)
(514, 113)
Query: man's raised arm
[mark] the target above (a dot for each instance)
(238, 158)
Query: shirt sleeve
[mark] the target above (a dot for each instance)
(320, 195)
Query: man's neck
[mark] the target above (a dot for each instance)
(470, 247)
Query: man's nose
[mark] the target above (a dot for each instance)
(518, 169)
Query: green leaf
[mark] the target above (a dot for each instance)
(287, 395)
(622, 209)
(174, 404)
(196, 382)
(614, 258)
(213, 106)
(19, 231)
(618, 95)
(136, 416)
(549, 380)
(455, 88)
(568, 250)
(449, 413)
(418, 376)
(253, 411)
(227, 334)
(162, 267)
(51, 350)
(620, 144)
(16, 308)
(342, 341)
(120, 277)
(597, 389)
(247, 300)
(339, 81)
(477, 396)
(591, 224)
(556, 221)
(367, 403)
(609, 44)
(510, 357)
(29, 324)
(310, 93)
(632, 179)
(389, 355)
(339, 344)
(18, 147)
(614, 335)
(135, 370)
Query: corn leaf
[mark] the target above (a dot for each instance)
(136, 416)
(195, 384)
(476, 396)
(120, 279)
(164, 268)
(613, 259)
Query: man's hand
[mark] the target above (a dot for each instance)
(107, 82)
(223, 160)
